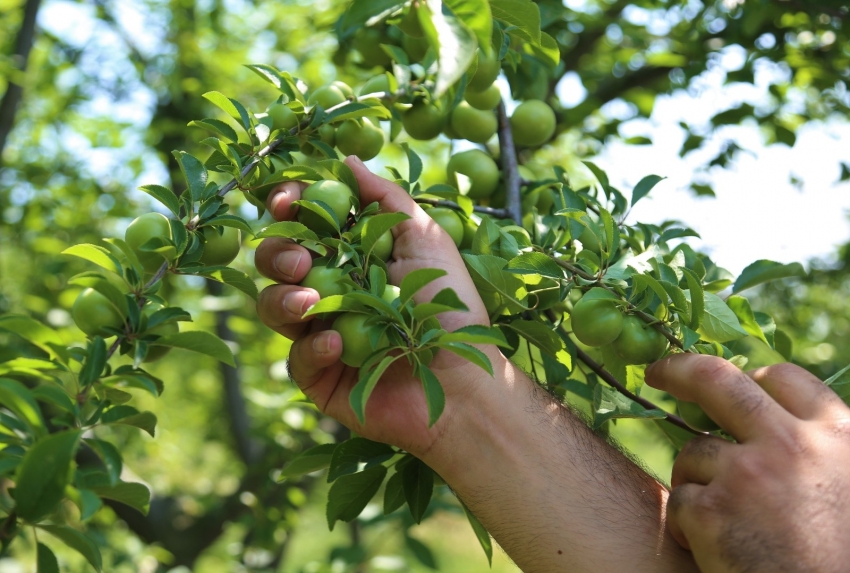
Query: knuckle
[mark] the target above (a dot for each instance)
(714, 370)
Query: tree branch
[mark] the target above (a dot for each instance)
(14, 91)
(510, 169)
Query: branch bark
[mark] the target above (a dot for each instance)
(14, 91)
(510, 169)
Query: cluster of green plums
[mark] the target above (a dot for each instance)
(96, 315)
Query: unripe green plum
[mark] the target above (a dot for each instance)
(344, 88)
(482, 171)
(368, 42)
(363, 138)
(533, 123)
(143, 229)
(356, 337)
(391, 293)
(325, 281)
(484, 100)
(695, 417)
(335, 194)
(473, 124)
(423, 121)
(486, 73)
(596, 321)
(220, 248)
(639, 343)
(383, 248)
(165, 329)
(376, 84)
(449, 221)
(470, 227)
(327, 135)
(410, 23)
(282, 116)
(328, 96)
(93, 314)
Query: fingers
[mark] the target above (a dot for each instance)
(700, 460)
(728, 396)
(389, 196)
(279, 202)
(799, 392)
(680, 515)
(281, 308)
(282, 260)
(309, 361)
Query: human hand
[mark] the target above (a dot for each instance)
(396, 412)
(777, 500)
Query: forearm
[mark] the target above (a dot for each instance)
(553, 494)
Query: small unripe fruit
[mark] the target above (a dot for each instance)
(449, 221)
(362, 138)
(482, 171)
(470, 227)
(368, 42)
(220, 248)
(597, 321)
(166, 329)
(383, 248)
(327, 135)
(282, 117)
(336, 195)
(695, 417)
(639, 343)
(473, 124)
(356, 338)
(423, 121)
(325, 281)
(533, 123)
(376, 84)
(94, 314)
(410, 23)
(142, 230)
(390, 294)
(327, 96)
(486, 73)
(484, 100)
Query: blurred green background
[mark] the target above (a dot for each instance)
(95, 96)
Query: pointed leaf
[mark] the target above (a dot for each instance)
(350, 494)
(76, 541)
(763, 271)
(42, 476)
(315, 459)
(198, 341)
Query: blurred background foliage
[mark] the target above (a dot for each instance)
(97, 93)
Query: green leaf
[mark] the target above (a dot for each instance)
(129, 416)
(417, 480)
(363, 389)
(454, 43)
(719, 323)
(414, 164)
(335, 303)
(42, 476)
(19, 399)
(53, 394)
(376, 226)
(349, 454)
(94, 363)
(194, 172)
(342, 172)
(288, 230)
(97, 255)
(421, 551)
(110, 456)
(45, 560)
(216, 126)
(435, 398)
(609, 403)
(136, 495)
(539, 334)
(88, 502)
(315, 459)
(76, 541)
(355, 110)
(469, 353)
(393, 494)
(741, 307)
(350, 494)
(644, 186)
(763, 271)
(415, 281)
(163, 195)
(696, 297)
(523, 14)
(477, 334)
(535, 264)
(236, 279)
(36, 333)
(498, 288)
(475, 14)
(480, 533)
(366, 12)
(198, 341)
(229, 106)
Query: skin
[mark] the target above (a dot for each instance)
(775, 501)
(568, 498)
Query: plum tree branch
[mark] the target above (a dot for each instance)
(510, 169)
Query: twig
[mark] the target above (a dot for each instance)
(493, 212)
(510, 169)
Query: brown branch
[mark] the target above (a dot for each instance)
(510, 169)
(492, 211)
(14, 91)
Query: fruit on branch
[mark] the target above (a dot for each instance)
(486, 73)
(336, 195)
(220, 248)
(473, 124)
(357, 337)
(481, 172)
(391, 293)
(383, 248)
(449, 221)
(165, 329)
(344, 88)
(470, 227)
(326, 281)
(639, 343)
(376, 84)
(597, 321)
(484, 100)
(361, 137)
(282, 116)
(368, 42)
(94, 314)
(695, 417)
(533, 123)
(423, 121)
(327, 135)
(416, 48)
(143, 229)
(410, 23)
(329, 95)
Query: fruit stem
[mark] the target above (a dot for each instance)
(612, 381)
(510, 168)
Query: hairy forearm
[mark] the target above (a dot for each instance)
(554, 495)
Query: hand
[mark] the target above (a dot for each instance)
(777, 500)
(396, 412)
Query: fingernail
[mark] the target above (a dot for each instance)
(356, 160)
(322, 343)
(286, 263)
(650, 368)
(294, 302)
